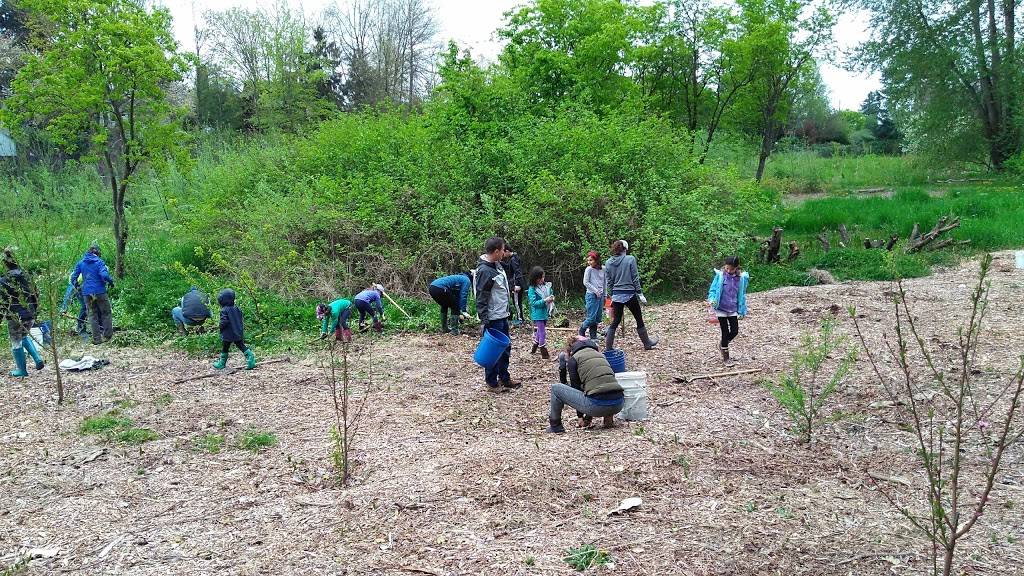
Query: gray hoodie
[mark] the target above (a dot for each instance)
(621, 275)
(491, 290)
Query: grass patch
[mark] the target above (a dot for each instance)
(163, 400)
(585, 556)
(135, 435)
(103, 423)
(257, 441)
(211, 443)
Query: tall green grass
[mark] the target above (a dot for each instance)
(806, 171)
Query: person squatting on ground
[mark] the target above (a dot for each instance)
(18, 303)
(452, 294)
(727, 298)
(368, 302)
(232, 331)
(517, 283)
(588, 384)
(334, 318)
(75, 291)
(193, 310)
(492, 297)
(540, 298)
(593, 281)
(622, 283)
(95, 282)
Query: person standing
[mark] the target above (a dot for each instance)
(514, 270)
(492, 297)
(622, 283)
(727, 297)
(232, 331)
(593, 281)
(539, 294)
(452, 294)
(194, 310)
(95, 282)
(75, 291)
(18, 303)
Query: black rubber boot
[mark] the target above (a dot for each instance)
(725, 354)
(544, 352)
(609, 339)
(555, 427)
(649, 343)
(534, 349)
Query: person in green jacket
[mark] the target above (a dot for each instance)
(334, 317)
(588, 384)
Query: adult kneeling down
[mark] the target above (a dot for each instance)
(194, 310)
(588, 385)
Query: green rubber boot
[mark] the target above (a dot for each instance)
(19, 363)
(30, 347)
(221, 362)
(250, 359)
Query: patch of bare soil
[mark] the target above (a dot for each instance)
(452, 479)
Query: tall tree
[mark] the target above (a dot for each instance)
(955, 66)
(104, 72)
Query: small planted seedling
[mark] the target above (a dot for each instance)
(530, 561)
(257, 441)
(211, 443)
(135, 435)
(103, 423)
(683, 462)
(585, 556)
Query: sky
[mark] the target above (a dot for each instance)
(471, 23)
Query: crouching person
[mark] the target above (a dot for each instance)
(193, 310)
(231, 330)
(588, 385)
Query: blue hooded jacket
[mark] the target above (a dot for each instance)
(231, 328)
(94, 273)
(455, 282)
(715, 291)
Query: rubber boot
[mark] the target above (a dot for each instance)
(455, 326)
(221, 362)
(444, 325)
(544, 352)
(593, 331)
(30, 347)
(649, 343)
(19, 363)
(250, 359)
(609, 339)
(534, 349)
(725, 353)
(346, 335)
(555, 427)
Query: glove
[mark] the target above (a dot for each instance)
(643, 300)
(63, 309)
(465, 316)
(323, 335)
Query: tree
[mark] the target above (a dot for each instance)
(13, 42)
(954, 70)
(104, 73)
(880, 123)
(784, 37)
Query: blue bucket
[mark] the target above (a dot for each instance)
(491, 347)
(617, 359)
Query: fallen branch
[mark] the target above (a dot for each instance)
(918, 241)
(688, 379)
(229, 371)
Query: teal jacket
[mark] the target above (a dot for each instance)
(538, 307)
(337, 307)
(715, 291)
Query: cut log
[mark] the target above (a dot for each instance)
(774, 245)
(921, 241)
(871, 191)
(872, 244)
(823, 238)
(794, 251)
(844, 235)
(892, 242)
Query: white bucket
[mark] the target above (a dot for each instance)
(1018, 258)
(634, 391)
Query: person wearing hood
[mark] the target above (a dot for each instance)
(75, 291)
(18, 303)
(368, 302)
(334, 319)
(194, 310)
(452, 294)
(232, 331)
(95, 282)
(492, 296)
(517, 281)
(622, 284)
(588, 384)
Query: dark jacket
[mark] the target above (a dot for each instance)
(514, 269)
(18, 296)
(231, 329)
(492, 291)
(588, 370)
(456, 284)
(94, 273)
(194, 305)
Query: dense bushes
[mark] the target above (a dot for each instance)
(400, 199)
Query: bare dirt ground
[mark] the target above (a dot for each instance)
(453, 480)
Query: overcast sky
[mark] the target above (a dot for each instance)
(471, 23)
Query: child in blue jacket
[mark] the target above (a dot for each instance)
(540, 298)
(232, 330)
(452, 294)
(727, 297)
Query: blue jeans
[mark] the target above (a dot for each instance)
(593, 315)
(500, 370)
(180, 320)
(562, 394)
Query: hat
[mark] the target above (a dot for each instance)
(94, 247)
(378, 287)
(321, 311)
(9, 259)
(625, 245)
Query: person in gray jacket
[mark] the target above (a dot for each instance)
(492, 295)
(622, 284)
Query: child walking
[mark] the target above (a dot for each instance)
(593, 281)
(727, 298)
(540, 302)
(231, 330)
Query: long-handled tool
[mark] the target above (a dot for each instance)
(688, 379)
(397, 305)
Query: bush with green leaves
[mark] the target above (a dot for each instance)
(819, 366)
